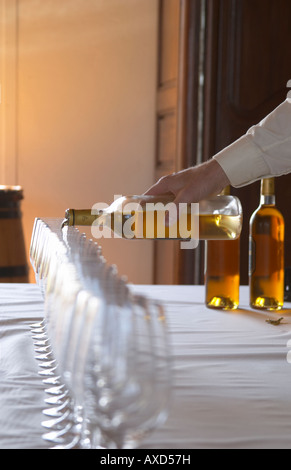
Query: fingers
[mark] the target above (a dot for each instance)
(193, 184)
(161, 187)
(186, 196)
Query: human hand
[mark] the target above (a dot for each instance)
(193, 184)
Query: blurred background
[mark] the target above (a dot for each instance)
(77, 109)
(102, 97)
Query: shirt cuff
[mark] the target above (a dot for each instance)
(243, 162)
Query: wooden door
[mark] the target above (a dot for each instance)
(248, 65)
(176, 82)
(230, 70)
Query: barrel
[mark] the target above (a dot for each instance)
(13, 259)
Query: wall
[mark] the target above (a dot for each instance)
(85, 110)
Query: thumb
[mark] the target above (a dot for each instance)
(157, 189)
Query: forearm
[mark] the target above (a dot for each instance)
(264, 151)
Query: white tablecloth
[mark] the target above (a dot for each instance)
(232, 379)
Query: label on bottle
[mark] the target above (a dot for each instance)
(252, 256)
(266, 255)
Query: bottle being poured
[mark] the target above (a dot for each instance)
(158, 217)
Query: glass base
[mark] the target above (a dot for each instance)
(222, 303)
(266, 303)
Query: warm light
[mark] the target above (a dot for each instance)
(4, 187)
(267, 303)
(216, 302)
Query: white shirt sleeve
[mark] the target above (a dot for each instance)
(264, 151)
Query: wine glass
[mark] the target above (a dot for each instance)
(102, 351)
(127, 376)
(34, 240)
(68, 299)
(61, 304)
(52, 266)
(77, 334)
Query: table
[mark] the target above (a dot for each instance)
(232, 378)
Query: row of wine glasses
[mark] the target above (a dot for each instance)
(102, 351)
(48, 255)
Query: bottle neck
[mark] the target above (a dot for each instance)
(225, 191)
(267, 200)
(268, 192)
(80, 217)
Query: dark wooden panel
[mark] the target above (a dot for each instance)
(229, 62)
(252, 72)
(248, 65)
(255, 31)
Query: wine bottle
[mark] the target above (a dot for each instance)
(145, 217)
(222, 272)
(266, 251)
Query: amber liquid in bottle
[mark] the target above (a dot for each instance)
(147, 225)
(266, 252)
(222, 272)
